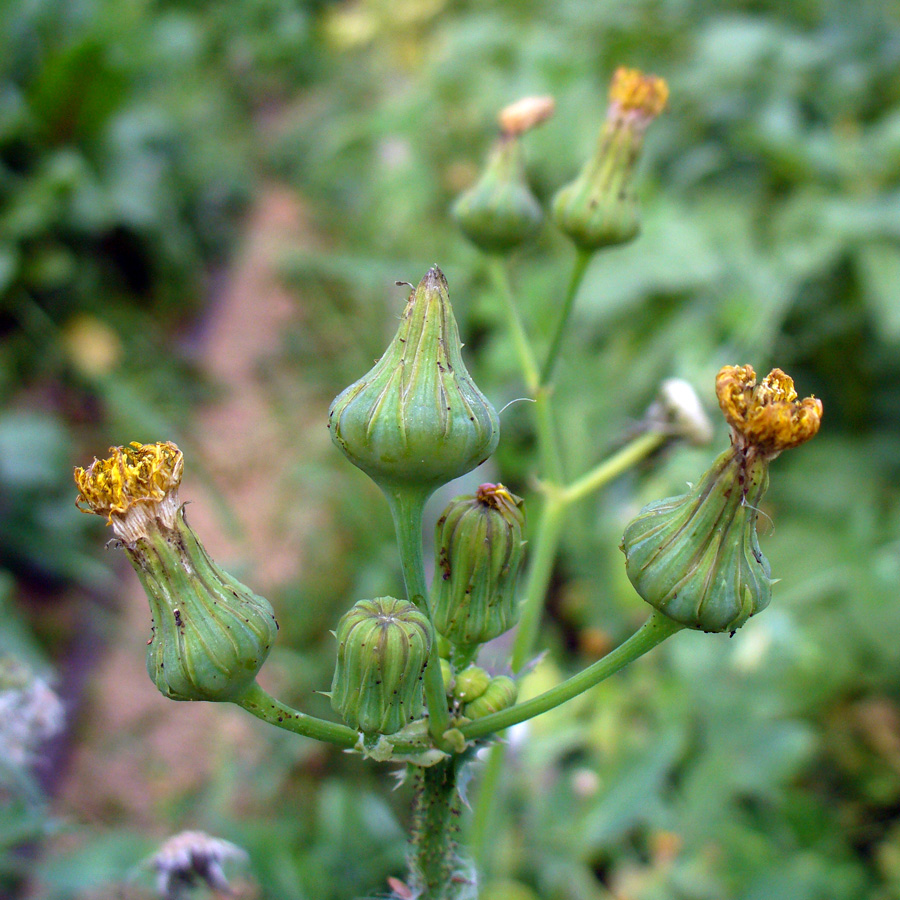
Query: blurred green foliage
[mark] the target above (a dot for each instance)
(757, 768)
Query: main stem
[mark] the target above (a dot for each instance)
(433, 860)
(582, 258)
(407, 505)
(654, 631)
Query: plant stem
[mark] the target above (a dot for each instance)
(614, 466)
(407, 505)
(260, 704)
(582, 258)
(525, 353)
(654, 631)
(436, 812)
(485, 807)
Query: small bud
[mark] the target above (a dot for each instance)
(471, 683)
(599, 209)
(383, 646)
(479, 550)
(210, 633)
(417, 419)
(500, 694)
(500, 212)
(696, 558)
(447, 675)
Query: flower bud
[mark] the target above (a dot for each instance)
(471, 683)
(479, 550)
(500, 694)
(383, 646)
(417, 419)
(210, 633)
(500, 212)
(599, 209)
(696, 558)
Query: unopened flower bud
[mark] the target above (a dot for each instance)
(417, 419)
(500, 694)
(500, 212)
(383, 646)
(210, 633)
(471, 683)
(599, 209)
(696, 558)
(447, 675)
(479, 550)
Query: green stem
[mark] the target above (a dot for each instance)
(582, 258)
(485, 807)
(407, 505)
(260, 704)
(611, 468)
(433, 860)
(548, 443)
(654, 631)
(546, 543)
(525, 353)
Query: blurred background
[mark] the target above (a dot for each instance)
(203, 211)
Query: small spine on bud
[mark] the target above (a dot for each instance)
(383, 647)
(479, 552)
(599, 209)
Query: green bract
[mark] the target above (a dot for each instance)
(479, 552)
(211, 634)
(696, 558)
(383, 646)
(417, 419)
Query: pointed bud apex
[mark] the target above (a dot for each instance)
(767, 417)
(383, 646)
(210, 633)
(417, 418)
(500, 212)
(599, 209)
(525, 114)
(500, 694)
(696, 558)
(479, 550)
(471, 683)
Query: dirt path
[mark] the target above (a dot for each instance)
(137, 753)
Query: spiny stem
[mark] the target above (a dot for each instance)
(654, 631)
(582, 258)
(407, 505)
(260, 704)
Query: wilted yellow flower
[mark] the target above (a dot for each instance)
(766, 416)
(633, 91)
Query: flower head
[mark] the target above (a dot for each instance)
(525, 114)
(191, 857)
(767, 416)
(136, 483)
(631, 91)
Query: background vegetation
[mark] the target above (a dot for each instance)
(132, 136)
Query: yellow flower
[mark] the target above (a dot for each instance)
(633, 91)
(767, 416)
(135, 484)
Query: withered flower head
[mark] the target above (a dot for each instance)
(631, 91)
(525, 114)
(767, 416)
(191, 857)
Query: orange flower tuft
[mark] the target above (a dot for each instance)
(633, 91)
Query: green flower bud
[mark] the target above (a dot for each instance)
(210, 633)
(447, 675)
(500, 694)
(471, 683)
(500, 212)
(696, 558)
(599, 209)
(417, 419)
(383, 646)
(479, 551)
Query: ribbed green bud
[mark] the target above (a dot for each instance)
(599, 208)
(383, 646)
(696, 558)
(210, 633)
(471, 683)
(499, 212)
(447, 676)
(417, 419)
(479, 552)
(500, 694)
